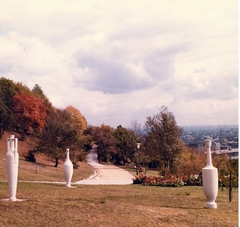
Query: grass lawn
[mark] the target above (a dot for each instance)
(52, 204)
(130, 205)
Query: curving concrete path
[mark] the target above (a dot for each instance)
(105, 174)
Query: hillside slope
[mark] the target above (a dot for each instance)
(45, 167)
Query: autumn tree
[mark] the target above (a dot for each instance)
(165, 136)
(190, 162)
(23, 89)
(38, 92)
(227, 172)
(78, 119)
(30, 112)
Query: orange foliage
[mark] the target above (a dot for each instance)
(190, 162)
(29, 111)
(79, 119)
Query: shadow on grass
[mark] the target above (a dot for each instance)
(44, 165)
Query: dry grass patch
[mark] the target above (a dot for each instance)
(132, 205)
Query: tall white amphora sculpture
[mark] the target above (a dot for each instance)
(210, 178)
(68, 169)
(12, 159)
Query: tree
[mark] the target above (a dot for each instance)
(30, 112)
(137, 128)
(7, 92)
(37, 91)
(103, 137)
(149, 155)
(78, 118)
(23, 89)
(5, 117)
(227, 172)
(190, 162)
(125, 144)
(58, 135)
(165, 136)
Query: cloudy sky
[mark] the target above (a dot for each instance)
(118, 61)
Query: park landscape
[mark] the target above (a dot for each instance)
(44, 133)
(110, 77)
(53, 204)
(46, 201)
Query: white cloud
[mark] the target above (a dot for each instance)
(117, 61)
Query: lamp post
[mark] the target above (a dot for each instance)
(138, 157)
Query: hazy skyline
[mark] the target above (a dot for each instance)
(119, 61)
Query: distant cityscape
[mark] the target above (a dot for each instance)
(224, 138)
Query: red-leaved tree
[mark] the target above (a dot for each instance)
(30, 112)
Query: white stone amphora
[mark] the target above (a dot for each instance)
(68, 169)
(210, 178)
(12, 160)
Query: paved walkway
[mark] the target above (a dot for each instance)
(105, 174)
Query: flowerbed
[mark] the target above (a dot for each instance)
(168, 180)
